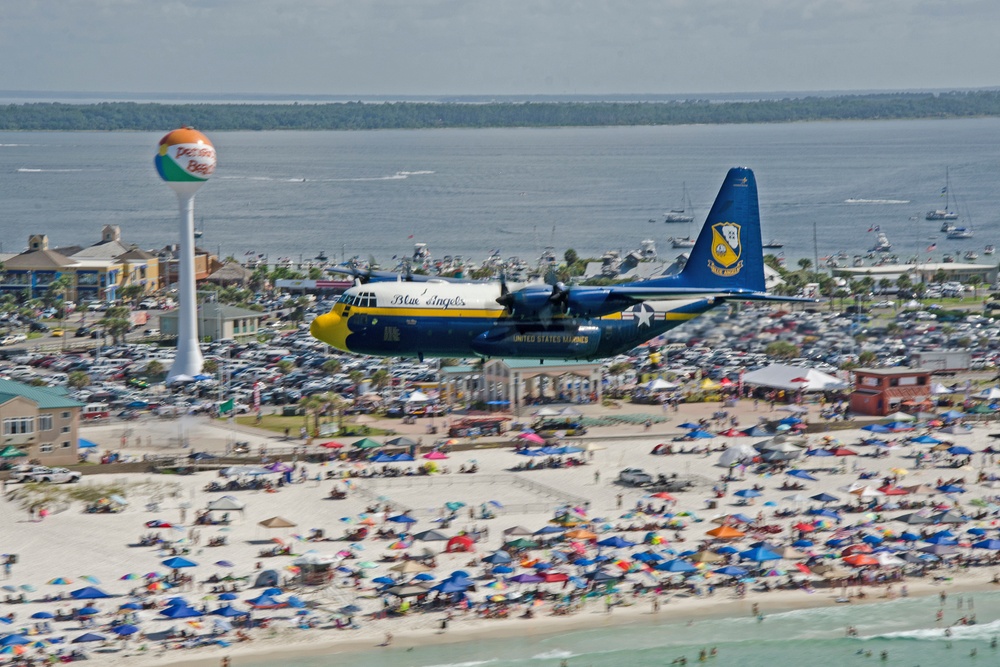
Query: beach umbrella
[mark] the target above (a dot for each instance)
(276, 522)
(991, 545)
(824, 498)
(801, 474)
(227, 611)
(366, 443)
(950, 488)
(959, 450)
(88, 593)
(497, 557)
(690, 425)
(533, 438)
(876, 428)
(522, 543)
(59, 581)
(759, 554)
(940, 549)
(677, 566)
(549, 530)
(526, 578)
(178, 562)
(89, 637)
(431, 536)
(43, 614)
(699, 434)
(732, 571)
(861, 560)
(748, 493)
(331, 445)
(88, 611)
(402, 518)
(14, 640)
(180, 611)
(926, 440)
(125, 630)
(500, 569)
(802, 544)
(615, 542)
(725, 533)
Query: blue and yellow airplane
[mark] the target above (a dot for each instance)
(403, 318)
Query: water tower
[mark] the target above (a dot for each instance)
(185, 160)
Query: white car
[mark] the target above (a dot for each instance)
(45, 474)
(635, 477)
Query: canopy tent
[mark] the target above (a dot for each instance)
(737, 454)
(793, 378)
(659, 384)
(226, 504)
(276, 522)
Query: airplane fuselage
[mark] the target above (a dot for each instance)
(437, 319)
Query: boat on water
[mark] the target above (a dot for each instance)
(944, 213)
(971, 255)
(684, 213)
(321, 257)
(989, 250)
(960, 233)
(881, 243)
(947, 227)
(678, 242)
(773, 243)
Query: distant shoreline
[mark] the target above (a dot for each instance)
(356, 115)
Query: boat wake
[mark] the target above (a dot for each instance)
(876, 201)
(26, 170)
(398, 176)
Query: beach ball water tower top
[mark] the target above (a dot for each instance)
(185, 159)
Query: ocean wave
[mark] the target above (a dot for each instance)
(876, 201)
(471, 663)
(985, 632)
(554, 654)
(26, 170)
(398, 176)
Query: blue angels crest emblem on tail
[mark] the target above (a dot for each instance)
(727, 251)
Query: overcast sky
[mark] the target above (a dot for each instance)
(476, 47)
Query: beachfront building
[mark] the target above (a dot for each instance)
(925, 272)
(517, 383)
(41, 422)
(95, 273)
(216, 321)
(882, 391)
(205, 264)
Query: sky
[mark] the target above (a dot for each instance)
(496, 47)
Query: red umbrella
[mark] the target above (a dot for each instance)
(663, 495)
(856, 549)
(893, 490)
(532, 437)
(555, 577)
(861, 560)
(804, 527)
(803, 569)
(733, 433)
(332, 445)
(844, 451)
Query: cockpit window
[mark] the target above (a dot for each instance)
(362, 300)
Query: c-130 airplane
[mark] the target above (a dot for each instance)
(393, 316)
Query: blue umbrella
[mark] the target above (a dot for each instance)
(759, 554)
(909, 537)
(951, 488)
(526, 578)
(228, 611)
(941, 539)
(824, 498)
(388, 581)
(700, 434)
(732, 571)
(88, 593)
(458, 585)
(959, 450)
(424, 576)
(926, 440)
(89, 637)
(876, 428)
(180, 611)
(125, 630)
(748, 493)
(88, 611)
(802, 544)
(402, 518)
(548, 530)
(616, 542)
(690, 425)
(727, 550)
(229, 596)
(790, 421)
(14, 640)
(131, 605)
(178, 562)
(801, 474)
(872, 539)
(497, 558)
(676, 565)
(43, 614)
(992, 545)
(819, 452)
(830, 514)
(503, 569)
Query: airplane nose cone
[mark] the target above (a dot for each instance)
(331, 329)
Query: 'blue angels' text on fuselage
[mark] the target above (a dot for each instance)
(543, 321)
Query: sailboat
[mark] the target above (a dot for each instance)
(199, 231)
(681, 214)
(946, 213)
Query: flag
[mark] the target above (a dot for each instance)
(226, 407)
(931, 247)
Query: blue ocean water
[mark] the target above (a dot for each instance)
(905, 628)
(471, 191)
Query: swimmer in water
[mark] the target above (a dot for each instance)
(993, 642)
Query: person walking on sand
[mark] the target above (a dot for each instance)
(224, 662)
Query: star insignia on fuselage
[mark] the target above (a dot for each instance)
(643, 313)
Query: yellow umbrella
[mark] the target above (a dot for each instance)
(899, 471)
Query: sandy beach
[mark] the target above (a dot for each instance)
(85, 548)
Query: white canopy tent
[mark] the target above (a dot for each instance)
(735, 454)
(659, 384)
(793, 378)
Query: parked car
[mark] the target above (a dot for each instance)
(27, 473)
(635, 477)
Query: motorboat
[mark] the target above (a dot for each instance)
(960, 233)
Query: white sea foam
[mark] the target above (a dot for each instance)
(554, 654)
(876, 201)
(471, 663)
(984, 631)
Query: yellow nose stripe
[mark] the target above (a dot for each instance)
(331, 329)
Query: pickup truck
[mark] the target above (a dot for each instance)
(44, 474)
(635, 477)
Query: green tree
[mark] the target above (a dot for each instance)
(211, 366)
(154, 369)
(132, 293)
(380, 379)
(805, 264)
(116, 322)
(570, 257)
(77, 379)
(781, 349)
(331, 366)
(285, 366)
(867, 358)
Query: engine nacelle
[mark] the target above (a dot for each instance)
(595, 302)
(579, 342)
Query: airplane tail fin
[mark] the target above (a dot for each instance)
(729, 254)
